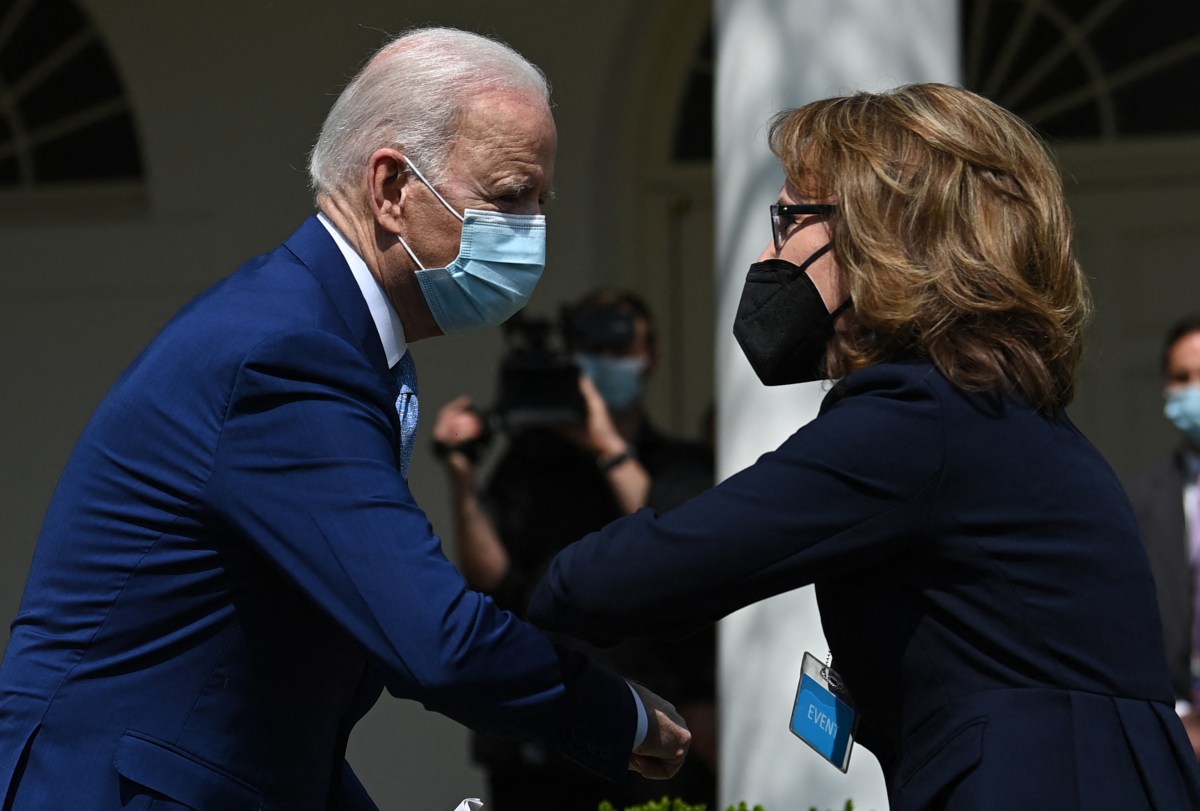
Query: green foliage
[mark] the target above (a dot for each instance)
(849, 806)
(667, 804)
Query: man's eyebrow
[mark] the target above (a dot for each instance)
(519, 188)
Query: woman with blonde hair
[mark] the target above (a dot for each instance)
(988, 605)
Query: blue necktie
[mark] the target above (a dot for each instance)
(406, 408)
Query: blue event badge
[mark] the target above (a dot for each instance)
(823, 716)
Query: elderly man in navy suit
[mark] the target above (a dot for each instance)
(233, 566)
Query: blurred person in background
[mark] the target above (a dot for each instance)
(577, 457)
(1166, 500)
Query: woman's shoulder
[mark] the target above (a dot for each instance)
(899, 379)
(889, 404)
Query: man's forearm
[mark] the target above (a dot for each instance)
(482, 557)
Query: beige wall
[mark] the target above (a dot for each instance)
(1137, 213)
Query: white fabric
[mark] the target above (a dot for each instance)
(387, 320)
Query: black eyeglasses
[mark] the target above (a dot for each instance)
(782, 217)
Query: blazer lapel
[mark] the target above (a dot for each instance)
(314, 247)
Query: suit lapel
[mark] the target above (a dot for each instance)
(313, 246)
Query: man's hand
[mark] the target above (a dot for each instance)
(1191, 723)
(667, 739)
(601, 435)
(630, 481)
(458, 423)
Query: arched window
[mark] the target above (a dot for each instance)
(1087, 69)
(64, 118)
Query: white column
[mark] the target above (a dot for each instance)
(772, 55)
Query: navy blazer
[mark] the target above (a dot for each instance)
(1157, 497)
(232, 569)
(980, 581)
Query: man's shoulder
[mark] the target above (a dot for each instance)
(277, 290)
(654, 444)
(274, 309)
(1162, 476)
(679, 468)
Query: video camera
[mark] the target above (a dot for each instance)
(539, 381)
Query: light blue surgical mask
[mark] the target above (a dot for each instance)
(1183, 409)
(500, 260)
(619, 380)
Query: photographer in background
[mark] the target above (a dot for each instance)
(580, 452)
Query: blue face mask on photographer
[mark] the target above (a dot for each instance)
(1183, 409)
(619, 380)
(500, 260)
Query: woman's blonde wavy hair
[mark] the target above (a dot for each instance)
(953, 234)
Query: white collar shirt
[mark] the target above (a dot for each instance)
(387, 320)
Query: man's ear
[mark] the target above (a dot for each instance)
(389, 177)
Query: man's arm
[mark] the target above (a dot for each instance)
(306, 472)
(482, 555)
(667, 740)
(626, 476)
(485, 562)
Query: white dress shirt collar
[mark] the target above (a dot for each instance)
(1191, 499)
(387, 321)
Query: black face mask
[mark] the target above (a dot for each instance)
(782, 324)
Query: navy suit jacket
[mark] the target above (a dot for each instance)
(232, 569)
(980, 581)
(1157, 496)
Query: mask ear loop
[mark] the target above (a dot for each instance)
(413, 167)
(817, 254)
(436, 193)
(409, 250)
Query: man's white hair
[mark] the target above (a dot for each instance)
(410, 95)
